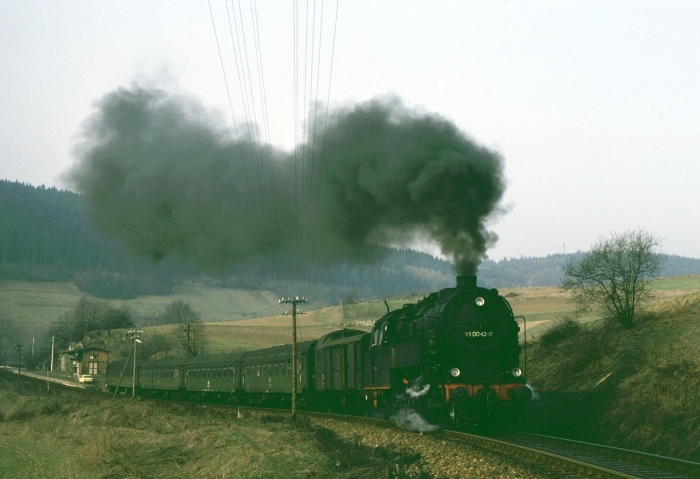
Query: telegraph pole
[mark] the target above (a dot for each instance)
(53, 338)
(189, 325)
(134, 335)
(294, 302)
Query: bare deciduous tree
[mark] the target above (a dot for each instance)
(189, 335)
(615, 274)
(89, 315)
(178, 312)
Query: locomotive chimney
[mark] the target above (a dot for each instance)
(466, 282)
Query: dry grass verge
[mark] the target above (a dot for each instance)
(633, 388)
(140, 439)
(71, 436)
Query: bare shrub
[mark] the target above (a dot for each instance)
(564, 328)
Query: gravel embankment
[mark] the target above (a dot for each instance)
(418, 455)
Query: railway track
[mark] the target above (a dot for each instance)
(563, 458)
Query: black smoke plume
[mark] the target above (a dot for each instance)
(161, 175)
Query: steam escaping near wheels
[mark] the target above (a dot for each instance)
(411, 420)
(161, 175)
(417, 389)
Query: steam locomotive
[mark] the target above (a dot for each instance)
(453, 357)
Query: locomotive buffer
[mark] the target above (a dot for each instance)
(294, 302)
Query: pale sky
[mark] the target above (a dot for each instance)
(594, 105)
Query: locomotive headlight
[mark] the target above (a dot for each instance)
(479, 301)
(516, 372)
(455, 372)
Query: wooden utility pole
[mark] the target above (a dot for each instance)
(294, 302)
(134, 335)
(119, 383)
(53, 339)
(189, 348)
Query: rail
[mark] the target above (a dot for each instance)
(557, 455)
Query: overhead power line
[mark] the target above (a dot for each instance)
(246, 60)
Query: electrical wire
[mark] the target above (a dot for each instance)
(307, 156)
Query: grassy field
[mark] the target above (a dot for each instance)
(541, 307)
(33, 306)
(678, 283)
(66, 436)
(229, 312)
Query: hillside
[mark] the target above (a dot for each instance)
(634, 388)
(34, 306)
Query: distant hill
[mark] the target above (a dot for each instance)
(547, 271)
(46, 235)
